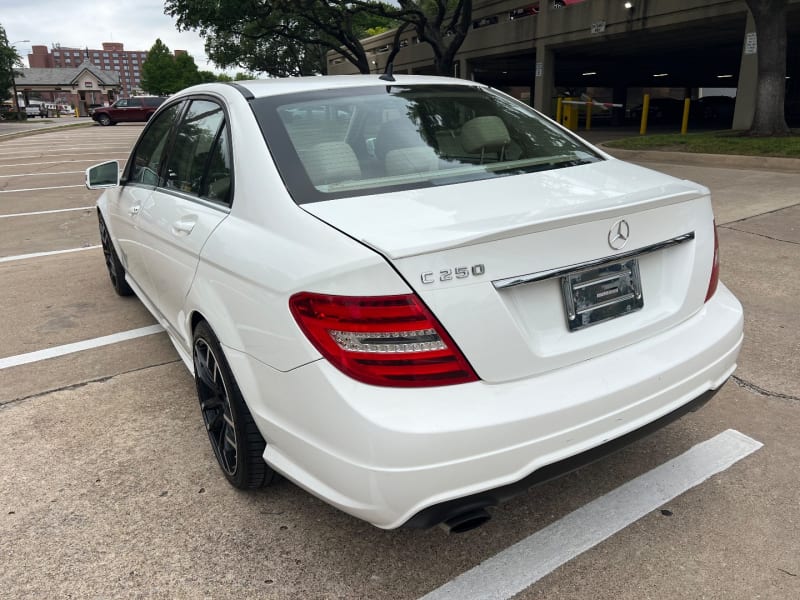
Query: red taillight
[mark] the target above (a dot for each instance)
(714, 281)
(381, 340)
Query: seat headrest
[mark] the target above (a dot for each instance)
(404, 161)
(397, 133)
(484, 133)
(331, 162)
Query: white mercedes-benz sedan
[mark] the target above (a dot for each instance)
(413, 296)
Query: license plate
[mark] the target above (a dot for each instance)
(601, 293)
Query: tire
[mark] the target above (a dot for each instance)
(105, 120)
(116, 272)
(237, 443)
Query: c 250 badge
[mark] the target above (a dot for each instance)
(454, 273)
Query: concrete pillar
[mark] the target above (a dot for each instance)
(748, 78)
(619, 96)
(464, 69)
(544, 82)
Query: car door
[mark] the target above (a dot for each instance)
(191, 200)
(140, 178)
(129, 111)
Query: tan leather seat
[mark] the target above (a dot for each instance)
(331, 162)
(485, 135)
(405, 161)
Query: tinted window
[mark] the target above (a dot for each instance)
(194, 144)
(134, 102)
(337, 143)
(217, 180)
(121, 103)
(150, 150)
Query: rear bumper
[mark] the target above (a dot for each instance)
(399, 456)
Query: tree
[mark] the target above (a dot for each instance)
(443, 24)
(211, 77)
(770, 19)
(158, 71)
(280, 37)
(186, 72)
(163, 73)
(8, 60)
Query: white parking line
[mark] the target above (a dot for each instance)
(67, 154)
(524, 563)
(54, 162)
(36, 174)
(45, 212)
(50, 253)
(30, 357)
(55, 187)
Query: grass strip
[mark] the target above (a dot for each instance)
(715, 142)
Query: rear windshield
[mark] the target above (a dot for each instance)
(355, 141)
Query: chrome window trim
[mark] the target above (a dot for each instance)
(509, 282)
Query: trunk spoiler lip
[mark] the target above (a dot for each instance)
(652, 201)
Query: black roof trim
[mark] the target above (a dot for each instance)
(248, 95)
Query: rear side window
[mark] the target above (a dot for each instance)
(135, 102)
(144, 164)
(199, 162)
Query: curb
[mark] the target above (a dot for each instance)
(720, 161)
(43, 129)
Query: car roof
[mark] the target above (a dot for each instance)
(260, 88)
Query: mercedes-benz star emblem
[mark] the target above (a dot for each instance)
(618, 234)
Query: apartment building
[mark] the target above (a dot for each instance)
(112, 57)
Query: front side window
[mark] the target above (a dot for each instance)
(196, 157)
(144, 165)
(121, 103)
(332, 144)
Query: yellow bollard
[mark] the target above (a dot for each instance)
(570, 115)
(645, 112)
(559, 109)
(588, 114)
(685, 122)
(77, 112)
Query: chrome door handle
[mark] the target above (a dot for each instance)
(134, 210)
(184, 226)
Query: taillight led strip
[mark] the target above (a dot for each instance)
(381, 340)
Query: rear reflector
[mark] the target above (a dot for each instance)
(714, 280)
(381, 340)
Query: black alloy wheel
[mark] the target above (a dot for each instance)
(236, 441)
(116, 272)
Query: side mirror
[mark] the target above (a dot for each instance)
(104, 175)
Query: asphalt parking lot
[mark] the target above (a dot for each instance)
(109, 488)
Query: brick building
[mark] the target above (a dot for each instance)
(113, 57)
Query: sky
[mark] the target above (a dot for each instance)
(136, 24)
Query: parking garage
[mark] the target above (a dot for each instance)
(600, 48)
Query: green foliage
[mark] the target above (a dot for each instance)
(210, 77)
(159, 75)
(164, 74)
(186, 71)
(8, 60)
(280, 37)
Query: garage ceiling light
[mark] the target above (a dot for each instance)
(724, 76)
(628, 5)
(660, 74)
(590, 73)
